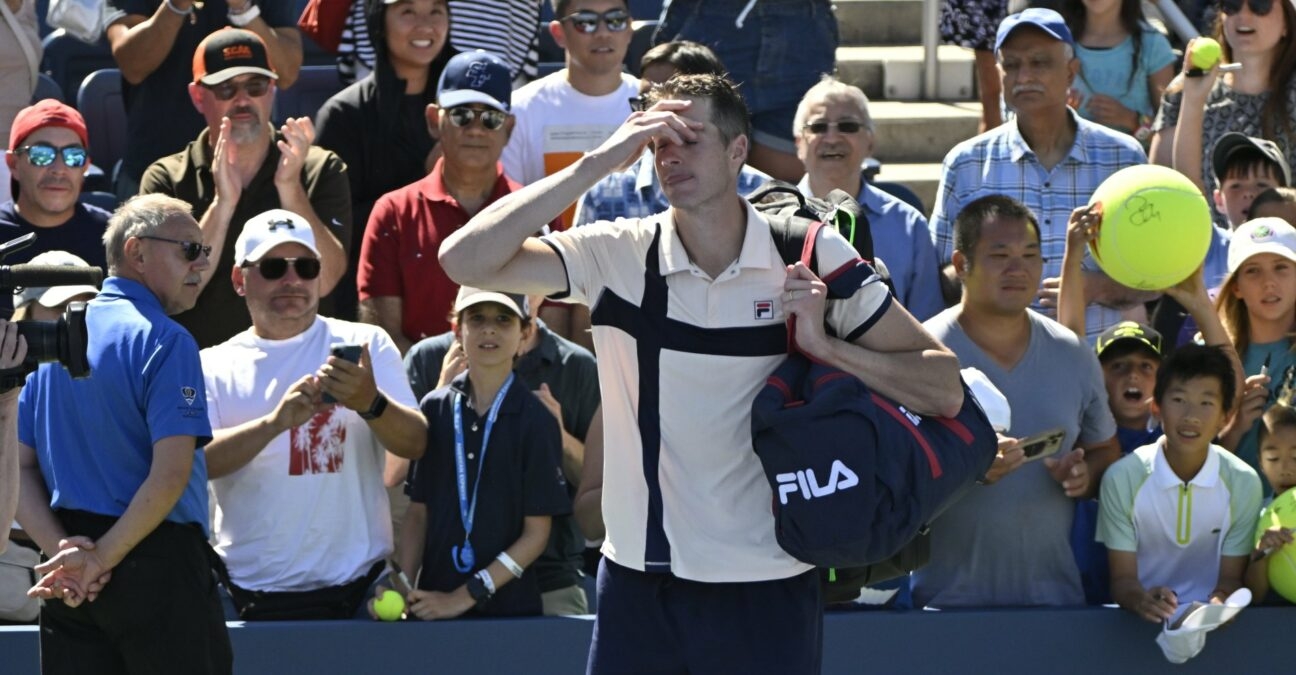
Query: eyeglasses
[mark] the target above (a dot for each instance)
(191, 248)
(274, 268)
(845, 126)
(1258, 7)
(491, 119)
(256, 87)
(587, 20)
(43, 154)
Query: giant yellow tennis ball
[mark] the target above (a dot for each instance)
(1205, 53)
(390, 606)
(1282, 563)
(1156, 227)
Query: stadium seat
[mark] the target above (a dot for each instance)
(104, 200)
(46, 87)
(68, 61)
(100, 101)
(640, 43)
(314, 86)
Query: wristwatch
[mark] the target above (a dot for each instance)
(477, 590)
(375, 410)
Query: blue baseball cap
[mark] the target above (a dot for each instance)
(1046, 20)
(475, 77)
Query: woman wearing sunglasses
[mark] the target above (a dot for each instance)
(1257, 100)
(378, 126)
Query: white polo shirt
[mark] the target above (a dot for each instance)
(1179, 530)
(681, 357)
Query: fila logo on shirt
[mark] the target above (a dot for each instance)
(804, 481)
(764, 309)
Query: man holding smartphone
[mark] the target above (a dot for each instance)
(302, 408)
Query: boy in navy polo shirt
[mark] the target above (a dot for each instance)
(482, 496)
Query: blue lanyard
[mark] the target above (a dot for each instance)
(463, 558)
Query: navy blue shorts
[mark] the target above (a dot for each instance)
(659, 623)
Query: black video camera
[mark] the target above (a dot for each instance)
(64, 340)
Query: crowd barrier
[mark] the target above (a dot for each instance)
(1000, 642)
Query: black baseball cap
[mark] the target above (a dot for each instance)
(1234, 141)
(1129, 333)
(228, 53)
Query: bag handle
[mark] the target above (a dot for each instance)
(807, 258)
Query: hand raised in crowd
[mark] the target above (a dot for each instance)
(1255, 394)
(13, 346)
(433, 605)
(75, 574)
(1070, 471)
(298, 134)
(225, 171)
(1082, 227)
(1157, 604)
(299, 403)
(805, 296)
(550, 403)
(1195, 88)
(1008, 459)
(352, 384)
(453, 364)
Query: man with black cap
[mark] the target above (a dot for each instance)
(241, 166)
(153, 42)
(1048, 157)
(48, 158)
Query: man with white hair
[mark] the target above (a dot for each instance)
(1047, 157)
(834, 134)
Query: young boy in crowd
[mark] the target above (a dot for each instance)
(1278, 465)
(1177, 515)
(1278, 202)
(482, 497)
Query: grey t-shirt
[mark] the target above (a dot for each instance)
(1008, 544)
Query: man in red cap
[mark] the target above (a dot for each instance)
(241, 166)
(47, 160)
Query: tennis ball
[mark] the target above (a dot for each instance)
(1156, 227)
(1282, 563)
(1205, 53)
(390, 606)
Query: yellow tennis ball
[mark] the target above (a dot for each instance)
(1205, 53)
(390, 606)
(1282, 563)
(1156, 227)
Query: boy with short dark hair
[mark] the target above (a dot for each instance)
(1178, 515)
(1244, 167)
(1278, 202)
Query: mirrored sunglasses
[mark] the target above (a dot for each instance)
(43, 154)
(491, 119)
(587, 20)
(255, 87)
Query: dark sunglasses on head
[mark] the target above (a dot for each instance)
(274, 268)
(43, 154)
(491, 119)
(1258, 7)
(191, 248)
(255, 87)
(845, 126)
(587, 20)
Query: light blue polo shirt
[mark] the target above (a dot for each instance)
(94, 437)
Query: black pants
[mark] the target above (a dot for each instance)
(160, 613)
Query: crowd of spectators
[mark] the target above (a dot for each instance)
(277, 335)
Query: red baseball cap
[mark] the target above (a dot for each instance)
(228, 53)
(46, 113)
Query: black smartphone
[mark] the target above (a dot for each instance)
(346, 353)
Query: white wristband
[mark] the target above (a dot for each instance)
(508, 562)
(177, 10)
(247, 16)
(487, 581)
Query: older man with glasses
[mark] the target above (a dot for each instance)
(48, 160)
(240, 165)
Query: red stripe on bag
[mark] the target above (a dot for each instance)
(904, 422)
(957, 427)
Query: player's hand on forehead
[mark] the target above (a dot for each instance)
(662, 123)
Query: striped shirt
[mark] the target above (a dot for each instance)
(1000, 162)
(681, 358)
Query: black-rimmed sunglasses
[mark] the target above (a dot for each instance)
(845, 126)
(275, 268)
(43, 154)
(1258, 7)
(256, 87)
(587, 20)
(192, 249)
(491, 119)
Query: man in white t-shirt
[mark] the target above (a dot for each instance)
(300, 424)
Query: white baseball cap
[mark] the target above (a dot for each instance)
(1260, 235)
(469, 296)
(267, 230)
(53, 296)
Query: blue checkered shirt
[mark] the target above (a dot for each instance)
(1000, 162)
(636, 193)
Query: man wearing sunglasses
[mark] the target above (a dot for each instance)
(299, 431)
(240, 165)
(47, 160)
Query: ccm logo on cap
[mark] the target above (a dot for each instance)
(840, 478)
(235, 52)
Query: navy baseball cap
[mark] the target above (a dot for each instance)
(1046, 20)
(475, 77)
